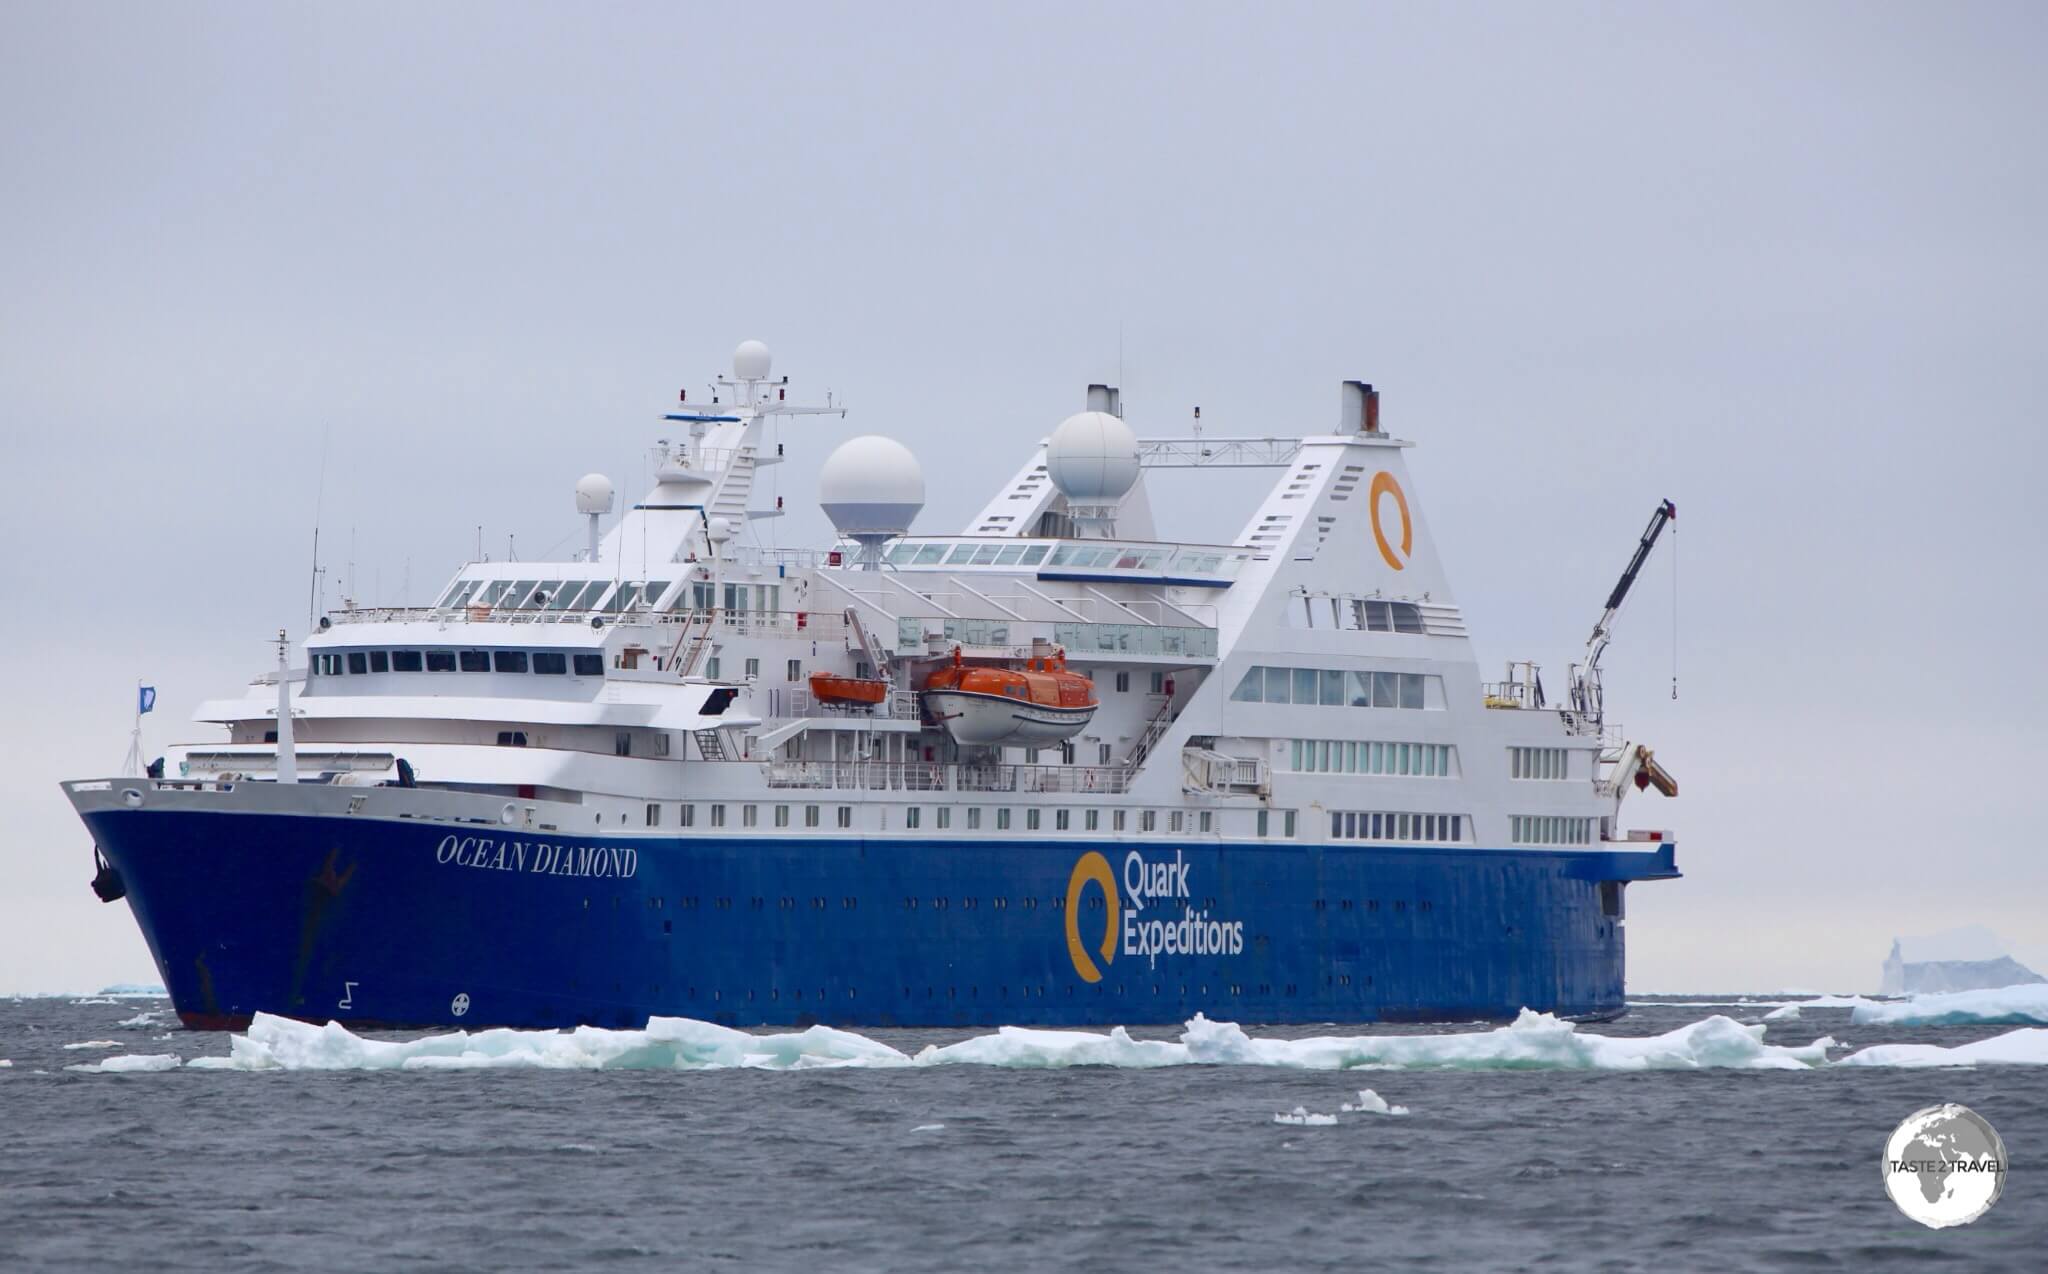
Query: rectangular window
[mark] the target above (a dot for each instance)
(718, 816)
(1147, 820)
(1411, 690)
(1159, 683)
(405, 661)
(1102, 754)
(782, 816)
(795, 671)
(550, 663)
(1092, 820)
(380, 661)
(973, 818)
(1287, 824)
(711, 668)
(1031, 819)
(1386, 690)
(1003, 819)
(810, 816)
(1264, 822)
(1360, 687)
(1333, 688)
(945, 817)
(510, 660)
(1060, 820)
(686, 816)
(1250, 689)
(654, 815)
(440, 661)
(911, 817)
(753, 669)
(1176, 821)
(358, 662)
(1277, 682)
(1305, 682)
(750, 815)
(589, 665)
(1123, 681)
(1116, 821)
(622, 743)
(476, 661)
(846, 816)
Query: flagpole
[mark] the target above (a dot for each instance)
(134, 763)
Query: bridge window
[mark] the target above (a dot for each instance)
(552, 663)
(476, 660)
(510, 660)
(440, 661)
(380, 661)
(358, 661)
(405, 661)
(589, 665)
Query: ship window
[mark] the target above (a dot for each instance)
(1287, 824)
(405, 661)
(1265, 823)
(358, 661)
(962, 554)
(651, 594)
(912, 816)
(552, 663)
(686, 816)
(782, 816)
(1031, 819)
(1377, 618)
(750, 815)
(973, 818)
(440, 661)
(380, 661)
(1277, 682)
(476, 661)
(810, 816)
(1208, 821)
(1305, 682)
(1411, 690)
(1062, 820)
(1116, 820)
(653, 815)
(986, 554)
(1407, 617)
(718, 816)
(1034, 555)
(510, 660)
(589, 665)
(846, 816)
(1003, 819)
(623, 598)
(1009, 555)
(1092, 820)
(930, 554)
(945, 817)
(1361, 689)
(491, 593)
(1333, 689)
(582, 595)
(622, 743)
(516, 595)
(795, 671)
(562, 594)
(1123, 681)
(511, 738)
(1176, 821)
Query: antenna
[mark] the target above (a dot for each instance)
(319, 503)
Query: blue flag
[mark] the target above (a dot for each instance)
(145, 699)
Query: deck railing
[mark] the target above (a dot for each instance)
(912, 776)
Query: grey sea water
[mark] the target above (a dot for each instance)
(974, 1166)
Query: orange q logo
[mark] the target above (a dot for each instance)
(1092, 867)
(1383, 484)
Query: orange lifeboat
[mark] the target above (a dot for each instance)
(848, 692)
(1040, 703)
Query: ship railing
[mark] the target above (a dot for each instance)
(795, 702)
(1208, 771)
(913, 776)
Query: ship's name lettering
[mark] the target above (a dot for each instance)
(538, 858)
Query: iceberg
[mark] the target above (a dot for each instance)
(2025, 1005)
(1971, 958)
(2026, 1047)
(1371, 1103)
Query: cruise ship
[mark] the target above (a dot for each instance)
(1050, 769)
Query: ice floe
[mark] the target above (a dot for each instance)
(2025, 1047)
(129, 1062)
(2025, 1005)
(1789, 1013)
(1534, 1041)
(1371, 1103)
(144, 1019)
(94, 1044)
(1300, 1117)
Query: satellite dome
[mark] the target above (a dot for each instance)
(871, 485)
(1092, 458)
(751, 361)
(593, 493)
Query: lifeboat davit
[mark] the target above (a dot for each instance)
(1028, 707)
(848, 692)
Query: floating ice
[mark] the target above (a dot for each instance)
(929, 1128)
(1301, 1118)
(1371, 1103)
(129, 1062)
(94, 999)
(2025, 1047)
(4, 1063)
(2025, 1005)
(1789, 1013)
(95, 1044)
(146, 1018)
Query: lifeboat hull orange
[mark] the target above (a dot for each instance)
(860, 692)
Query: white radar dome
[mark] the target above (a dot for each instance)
(871, 485)
(721, 529)
(1092, 458)
(593, 493)
(751, 361)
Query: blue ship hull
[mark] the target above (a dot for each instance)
(414, 923)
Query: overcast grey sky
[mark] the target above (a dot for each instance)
(1783, 264)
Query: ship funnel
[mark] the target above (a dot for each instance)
(1358, 408)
